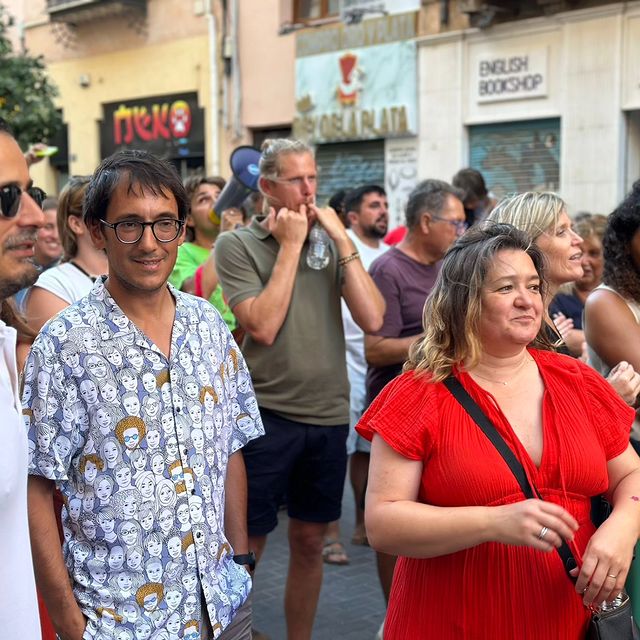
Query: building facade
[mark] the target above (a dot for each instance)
(538, 94)
(546, 102)
(135, 74)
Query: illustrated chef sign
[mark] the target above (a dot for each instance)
(360, 94)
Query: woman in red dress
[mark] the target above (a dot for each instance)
(478, 561)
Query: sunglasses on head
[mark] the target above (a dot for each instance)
(11, 197)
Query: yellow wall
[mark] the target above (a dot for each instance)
(172, 67)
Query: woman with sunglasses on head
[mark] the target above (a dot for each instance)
(69, 281)
(478, 559)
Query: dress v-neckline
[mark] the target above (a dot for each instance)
(522, 454)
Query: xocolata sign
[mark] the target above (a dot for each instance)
(513, 76)
(359, 94)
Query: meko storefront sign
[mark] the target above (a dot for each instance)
(170, 126)
(510, 76)
(359, 94)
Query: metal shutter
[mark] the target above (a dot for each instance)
(348, 165)
(517, 156)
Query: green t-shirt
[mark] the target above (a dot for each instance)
(303, 375)
(190, 257)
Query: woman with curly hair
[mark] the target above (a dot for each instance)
(612, 311)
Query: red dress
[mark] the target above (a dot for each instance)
(495, 591)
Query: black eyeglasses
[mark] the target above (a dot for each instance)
(11, 197)
(130, 231)
(460, 225)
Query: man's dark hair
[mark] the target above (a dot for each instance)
(336, 202)
(472, 184)
(142, 170)
(430, 196)
(353, 199)
(192, 183)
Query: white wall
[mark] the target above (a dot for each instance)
(593, 74)
(441, 134)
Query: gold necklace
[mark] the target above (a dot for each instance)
(504, 384)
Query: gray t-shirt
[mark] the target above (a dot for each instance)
(303, 375)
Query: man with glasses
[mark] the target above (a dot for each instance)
(20, 218)
(405, 276)
(135, 209)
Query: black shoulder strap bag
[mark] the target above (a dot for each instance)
(612, 621)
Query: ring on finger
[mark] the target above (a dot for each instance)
(543, 533)
(610, 575)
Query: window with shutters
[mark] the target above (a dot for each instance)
(347, 166)
(517, 156)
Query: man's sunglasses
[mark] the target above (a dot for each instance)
(11, 197)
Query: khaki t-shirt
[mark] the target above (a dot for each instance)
(303, 375)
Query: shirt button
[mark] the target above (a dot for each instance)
(193, 492)
(185, 451)
(198, 534)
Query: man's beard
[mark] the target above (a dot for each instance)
(374, 232)
(12, 284)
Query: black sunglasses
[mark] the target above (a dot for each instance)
(11, 196)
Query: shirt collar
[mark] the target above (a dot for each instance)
(258, 229)
(101, 292)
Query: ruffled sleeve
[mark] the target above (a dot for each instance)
(612, 417)
(403, 414)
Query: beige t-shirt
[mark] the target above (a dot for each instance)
(303, 375)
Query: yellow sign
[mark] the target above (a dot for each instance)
(352, 124)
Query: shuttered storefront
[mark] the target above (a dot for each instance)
(517, 156)
(348, 165)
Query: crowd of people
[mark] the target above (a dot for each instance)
(186, 373)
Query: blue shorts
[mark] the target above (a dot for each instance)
(304, 463)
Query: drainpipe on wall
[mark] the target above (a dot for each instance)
(213, 90)
(237, 85)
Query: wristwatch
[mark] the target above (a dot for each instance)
(248, 559)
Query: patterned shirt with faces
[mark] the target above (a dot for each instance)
(139, 445)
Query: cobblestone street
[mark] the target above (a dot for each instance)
(351, 603)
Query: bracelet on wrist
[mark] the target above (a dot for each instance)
(347, 259)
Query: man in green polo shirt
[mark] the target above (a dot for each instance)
(294, 347)
(195, 269)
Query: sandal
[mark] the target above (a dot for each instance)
(333, 552)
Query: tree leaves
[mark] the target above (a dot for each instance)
(26, 92)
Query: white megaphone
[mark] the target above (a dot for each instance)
(245, 171)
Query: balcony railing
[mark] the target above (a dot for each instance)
(76, 11)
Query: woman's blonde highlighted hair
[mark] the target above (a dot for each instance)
(531, 212)
(451, 317)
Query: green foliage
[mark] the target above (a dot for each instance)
(26, 93)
